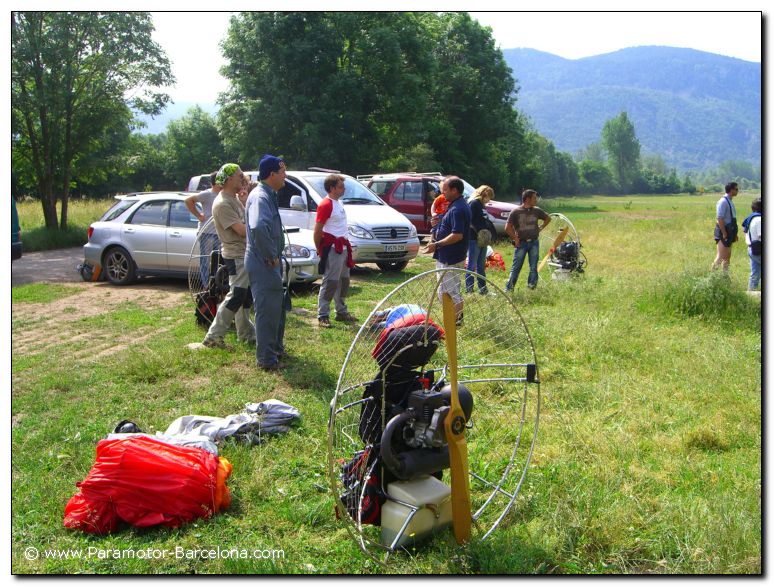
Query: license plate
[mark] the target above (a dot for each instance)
(394, 248)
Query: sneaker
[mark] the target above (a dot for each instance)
(346, 317)
(213, 343)
(324, 322)
(459, 319)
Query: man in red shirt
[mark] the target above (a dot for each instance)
(330, 238)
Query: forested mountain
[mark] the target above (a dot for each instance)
(695, 109)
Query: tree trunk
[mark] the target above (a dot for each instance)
(63, 213)
(49, 211)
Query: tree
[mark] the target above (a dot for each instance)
(71, 73)
(194, 145)
(595, 177)
(623, 151)
(361, 91)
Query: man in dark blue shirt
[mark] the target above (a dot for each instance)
(450, 241)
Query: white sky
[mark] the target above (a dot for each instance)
(191, 38)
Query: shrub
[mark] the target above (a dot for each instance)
(705, 295)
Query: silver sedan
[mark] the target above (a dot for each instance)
(155, 234)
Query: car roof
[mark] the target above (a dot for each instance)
(141, 196)
(405, 175)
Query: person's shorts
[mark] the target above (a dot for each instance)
(450, 281)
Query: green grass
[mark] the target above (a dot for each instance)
(41, 293)
(80, 213)
(648, 457)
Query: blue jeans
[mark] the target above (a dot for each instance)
(525, 248)
(476, 263)
(755, 271)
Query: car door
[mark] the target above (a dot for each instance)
(301, 218)
(410, 195)
(181, 236)
(145, 234)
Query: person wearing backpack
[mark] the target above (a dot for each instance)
(481, 233)
(752, 229)
(726, 228)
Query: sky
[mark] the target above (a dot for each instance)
(571, 35)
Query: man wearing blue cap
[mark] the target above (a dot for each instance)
(265, 241)
(228, 217)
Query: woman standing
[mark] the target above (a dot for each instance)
(477, 246)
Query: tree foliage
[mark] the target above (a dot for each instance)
(71, 73)
(623, 151)
(194, 146)
(364, 91)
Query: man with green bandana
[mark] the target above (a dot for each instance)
(229, 219)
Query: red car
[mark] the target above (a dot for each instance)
(412, 194)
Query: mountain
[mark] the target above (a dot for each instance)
(173, 111)
(695, 109)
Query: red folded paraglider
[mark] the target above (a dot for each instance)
(146, 482)
(495, 260)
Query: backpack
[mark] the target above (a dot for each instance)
(756, 247)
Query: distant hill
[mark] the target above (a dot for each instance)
(158, 125)
(695, 109)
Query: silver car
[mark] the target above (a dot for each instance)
(155, 233)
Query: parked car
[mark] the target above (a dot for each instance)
(16, 242)
(378, 233)
(154, 234)
(412, 194)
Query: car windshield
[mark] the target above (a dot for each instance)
(354, 191)
(117, 209)
(469, 189)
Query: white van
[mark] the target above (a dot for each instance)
(378, 233)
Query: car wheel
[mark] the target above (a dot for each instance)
(119, 266)
(392, 265)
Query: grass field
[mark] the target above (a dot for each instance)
(80, 213)
(648, 457)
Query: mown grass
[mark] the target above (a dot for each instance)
(648, 458)
(80, 213)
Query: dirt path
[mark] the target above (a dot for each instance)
(37, 327)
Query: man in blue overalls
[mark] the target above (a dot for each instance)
(265, 241)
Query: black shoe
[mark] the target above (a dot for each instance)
(273, 367)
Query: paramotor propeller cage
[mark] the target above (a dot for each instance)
(208, 276)
(496, 363)
(567, 256)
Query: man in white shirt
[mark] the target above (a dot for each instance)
(753, 238)
(330, 238)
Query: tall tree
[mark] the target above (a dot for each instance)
(473, 124)
(623, 150)
(71, 73)
(194, 145)
(366, 91)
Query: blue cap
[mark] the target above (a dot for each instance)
(268, 164)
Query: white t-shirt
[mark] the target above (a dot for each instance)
(336, 224)
(754, 232)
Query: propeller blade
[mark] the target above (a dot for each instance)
(454, 426)
(557, 242)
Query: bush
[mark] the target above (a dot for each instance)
(706, 295)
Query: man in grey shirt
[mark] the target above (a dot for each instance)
(208, 241)
(228, 216)
(726, 228)
(265, 241)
